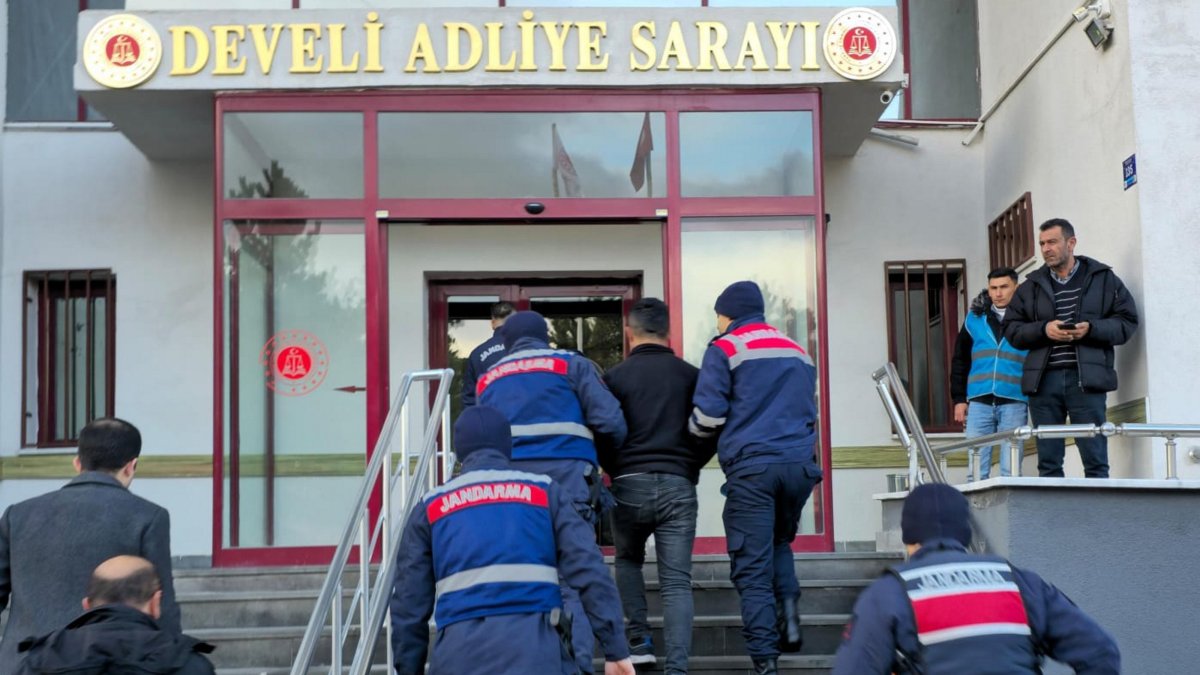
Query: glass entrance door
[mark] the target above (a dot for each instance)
(585, 317)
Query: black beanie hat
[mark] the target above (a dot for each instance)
(480, 427)
(741, 298)
(522, 325)
(935, 511)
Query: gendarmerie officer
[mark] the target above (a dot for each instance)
(487, 550)
(947, 611)
(757, 389)
(486, 354)
(556, 403)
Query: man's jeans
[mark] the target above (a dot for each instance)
(988, 418)
(1058, 396)
(664, 505)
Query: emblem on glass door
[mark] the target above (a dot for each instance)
(296, 362)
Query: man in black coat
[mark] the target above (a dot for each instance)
(1069, 314)
(118, 632)
(49, 545)
(654, 481)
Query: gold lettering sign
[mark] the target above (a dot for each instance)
(521, 44)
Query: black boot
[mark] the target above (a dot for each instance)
(766, 667)
(790, 637)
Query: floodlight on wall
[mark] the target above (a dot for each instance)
(1096, 17)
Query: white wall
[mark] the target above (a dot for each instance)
(1062, 135)
(1164, 87)
(888, 202)
(88, 199)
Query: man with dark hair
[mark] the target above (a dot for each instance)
(986, 370)
(654, 481)
(557, 406)
(50, 544)
(757, 390)
(483, 356)
(118, 631)
(483, 555)
(1069, 314)
(947, 611)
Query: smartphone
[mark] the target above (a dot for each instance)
(1067, 326)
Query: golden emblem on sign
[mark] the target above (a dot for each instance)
(860, 44)
(121, 51)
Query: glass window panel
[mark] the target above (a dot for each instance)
(295, 366)
(385, 4)
(590, 325)
(741, 154)
(210, 4)
(801, 3)
(779, 254)
(293, 155)
(481, 155)
(944, 59)
(41, 59)
(603, 3)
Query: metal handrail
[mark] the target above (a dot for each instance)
(1016, 440)
(907, 424)
(380, 534)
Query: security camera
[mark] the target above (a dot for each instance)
(886, 97)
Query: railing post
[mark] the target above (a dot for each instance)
(972, 464)
(335, 640)
(1171, 470)
(447, 452)
(1016, 454)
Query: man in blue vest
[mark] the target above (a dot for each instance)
(485, 355)
(985, 373)
(556, 403)
(483, 555)
(947, 611)
(757, 389)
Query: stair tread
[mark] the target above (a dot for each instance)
(652, 584)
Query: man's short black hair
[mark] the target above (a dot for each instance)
(1003, 272)
(1068, 229)
(134, 589)
(649, 317)
(502, 310)
(107, 444)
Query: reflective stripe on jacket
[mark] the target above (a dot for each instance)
(996, 367)
(965, 606)
(554, 399)
(517, 576)
(757, 389)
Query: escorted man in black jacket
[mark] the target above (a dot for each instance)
(118, 632)
(654, 481)
(1069, 314)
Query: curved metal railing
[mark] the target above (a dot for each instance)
(373, 535)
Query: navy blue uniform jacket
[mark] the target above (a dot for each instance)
(482, 357)
(883, 622)
(579, 565)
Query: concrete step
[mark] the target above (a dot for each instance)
(276, 646)
(217, 609)
(709, 665)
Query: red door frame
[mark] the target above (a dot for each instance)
(375, 212)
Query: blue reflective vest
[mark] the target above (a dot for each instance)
(493, 546)
(970, 615)
(996, 367)
(533, 388)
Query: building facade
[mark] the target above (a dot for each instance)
(237, 226)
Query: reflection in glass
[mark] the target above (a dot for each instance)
(744, 154)
(295, 365)
(496, 155)
(591, 326)
(797, 3)
(293, 155)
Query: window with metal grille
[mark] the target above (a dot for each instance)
(68, 346)
(925, 299)
(1010, 235)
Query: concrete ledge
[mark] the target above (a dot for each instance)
(1123, 549)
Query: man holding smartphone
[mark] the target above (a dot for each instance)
(1069, 314)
